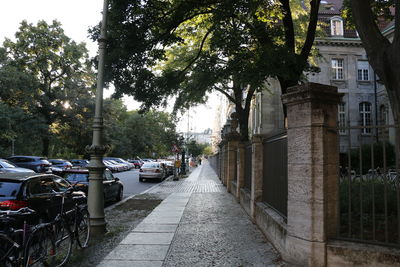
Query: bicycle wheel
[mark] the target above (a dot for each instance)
(5, 247)
(63, 245)
(82, 228)
(39, 249)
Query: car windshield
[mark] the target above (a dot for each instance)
(77, 177)
(9, 189)
(7, 164)
(151, 165)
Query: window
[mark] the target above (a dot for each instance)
(365, 117)
(362, 70)
(337, 68)
(342, 118)
(336, 26)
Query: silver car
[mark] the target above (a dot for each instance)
(152, 170)
(7, 166)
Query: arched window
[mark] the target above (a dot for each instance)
(365, 117)
(336, 26)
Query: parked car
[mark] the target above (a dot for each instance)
(79, 162)
(113, 188)
(40, 192)
(127, 165)
(59, 165)
(37, 164)
(152, 170)
(137, 163)
(7, 166)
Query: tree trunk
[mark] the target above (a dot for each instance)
(45, 145)
(383, 55)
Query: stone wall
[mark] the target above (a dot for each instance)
(307, 236)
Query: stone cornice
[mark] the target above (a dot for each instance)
(311, 92)
(339, 42)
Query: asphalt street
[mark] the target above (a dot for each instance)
(132, 186)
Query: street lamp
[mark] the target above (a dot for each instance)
(183, 164)
(98, 149)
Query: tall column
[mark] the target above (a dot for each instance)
(240, 168)
(313, 160)
(98, 149)
(256, 173)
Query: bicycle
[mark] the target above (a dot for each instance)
(40, 247)
(70, 226)
(13, 241)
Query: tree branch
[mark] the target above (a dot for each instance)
(374, 42)
(249, 96)
(198, 54)
(288, 25)
(226, 94)
(312, 26)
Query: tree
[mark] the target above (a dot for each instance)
(188, 48)
(195, 149)
(383, 54)
(57, 68)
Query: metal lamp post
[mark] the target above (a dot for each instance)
(97, 149)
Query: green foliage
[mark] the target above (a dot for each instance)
(366, 159)
(45, 73)
(145, 135)
(368, 196)
(381, 10)
(195, 149)
(158, 49)
(207, 151)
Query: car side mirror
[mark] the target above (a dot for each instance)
(116, 179)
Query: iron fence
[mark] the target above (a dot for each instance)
(369, 195)
(248, 166)
(275, 172)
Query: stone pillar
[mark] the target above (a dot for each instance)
(256, 173)
(232, 162)
(313, 160)
(240, 168)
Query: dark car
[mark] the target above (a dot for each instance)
(113, 188)
(37, 164)
(79, 162)
(137, 163)
(40, 192)
(7, 166)
(59, 165)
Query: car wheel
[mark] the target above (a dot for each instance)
(120, 194)
(140, 179)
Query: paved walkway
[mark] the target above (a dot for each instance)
(198, 224)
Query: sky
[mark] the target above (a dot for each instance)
(76, 17)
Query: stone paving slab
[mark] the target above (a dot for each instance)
(139, 252)
(155, 228)
(125, 263)
(148, 239)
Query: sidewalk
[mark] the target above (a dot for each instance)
(198, 224)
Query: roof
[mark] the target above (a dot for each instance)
(332, 7)
(21, 176)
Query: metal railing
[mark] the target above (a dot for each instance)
(275, 173)
(247, 165)
(369, 191)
